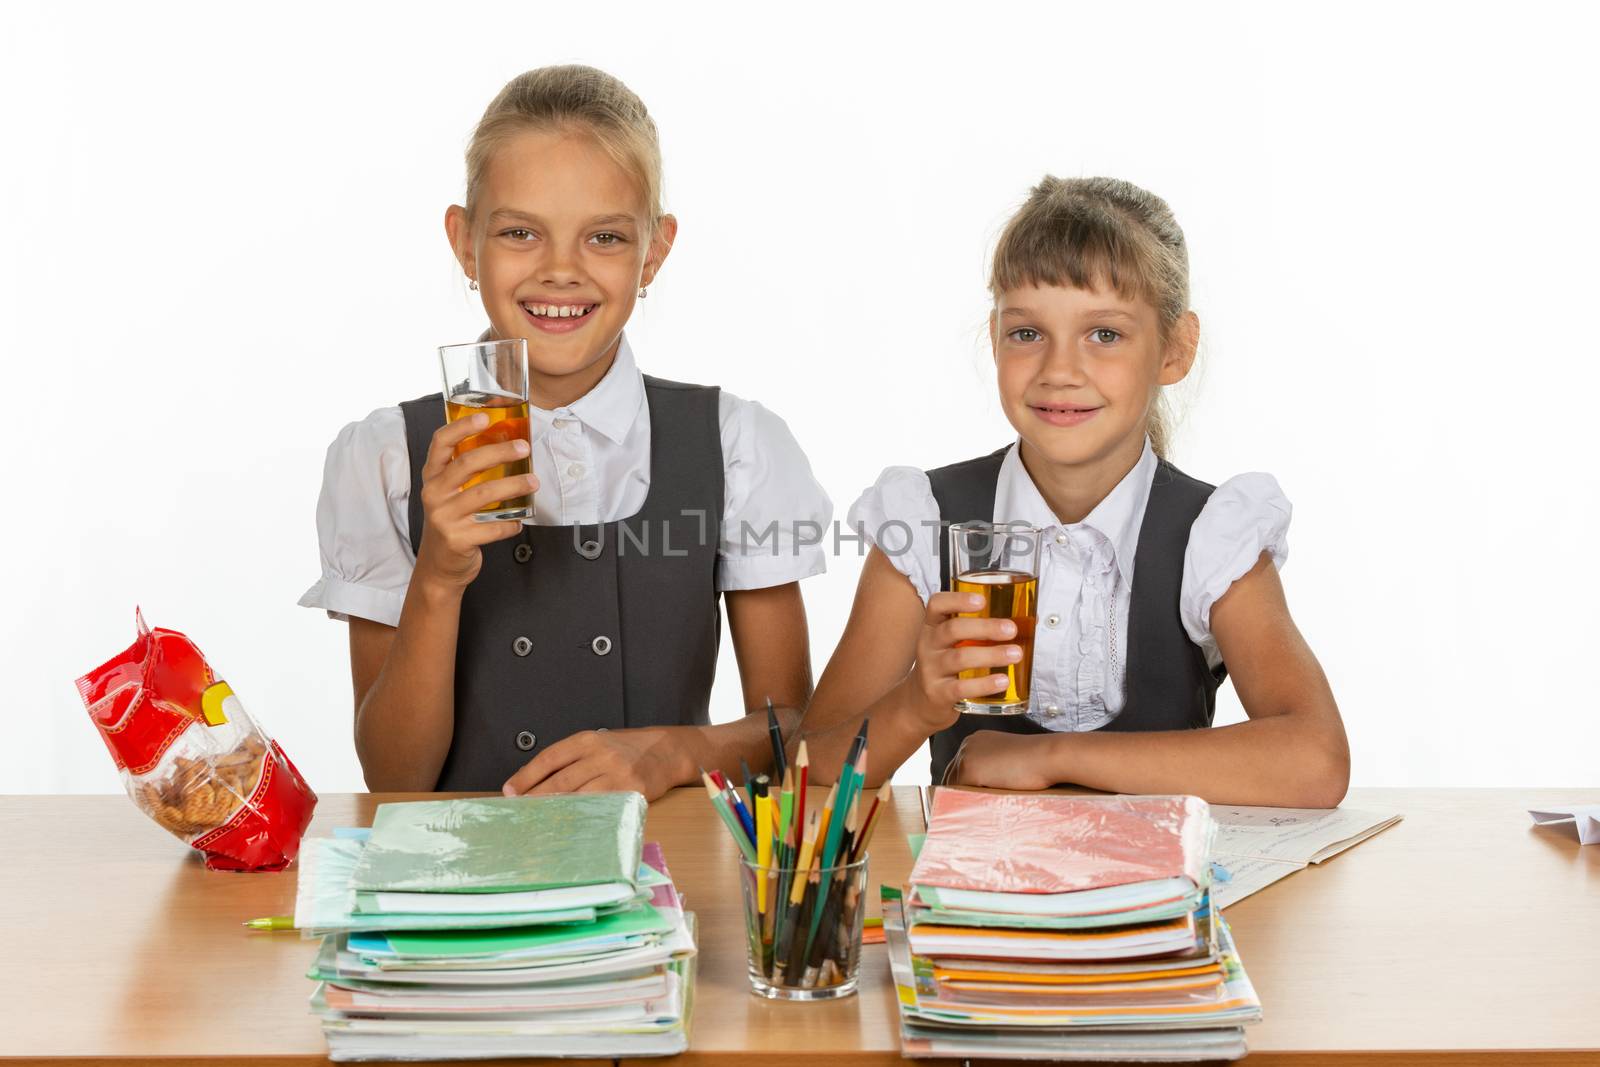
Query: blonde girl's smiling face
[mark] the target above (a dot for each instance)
(559, 242)
(1079, 369)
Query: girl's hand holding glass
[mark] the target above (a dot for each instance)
(936, 675)
(452, 536)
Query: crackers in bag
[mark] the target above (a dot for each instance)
(192, 758)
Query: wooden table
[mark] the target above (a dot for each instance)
(1463, 934)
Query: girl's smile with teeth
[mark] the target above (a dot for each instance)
(557, 311)
(557, 318)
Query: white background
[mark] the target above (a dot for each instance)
(222, 238)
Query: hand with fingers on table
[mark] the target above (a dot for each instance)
(648, 760)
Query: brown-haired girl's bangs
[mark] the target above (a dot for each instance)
(1077, 243)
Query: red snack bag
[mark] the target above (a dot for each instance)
(192, 758)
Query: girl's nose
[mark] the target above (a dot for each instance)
(1063, 364)
(560, 267)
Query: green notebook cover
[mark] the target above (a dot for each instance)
(503, 844)
(643, 920)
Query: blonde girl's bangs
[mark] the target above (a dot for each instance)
(575, 100)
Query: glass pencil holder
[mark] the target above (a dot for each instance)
(803, 928)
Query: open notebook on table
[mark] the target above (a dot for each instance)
(1258, 846)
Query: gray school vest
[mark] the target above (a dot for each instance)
(1168, 685)
(571, 628)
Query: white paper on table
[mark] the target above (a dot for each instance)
(1259, 846)
(1247, 874)
(1585, 816)
(1294, 835)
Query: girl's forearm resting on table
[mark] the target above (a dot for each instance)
(406, 718)
(1291, 753)
(1289, 760)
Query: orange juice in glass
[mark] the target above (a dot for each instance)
(999, 562)
(491, 377)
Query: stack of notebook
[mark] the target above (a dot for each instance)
(508, 926)
(1058, 927)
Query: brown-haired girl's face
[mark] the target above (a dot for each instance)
(1079, 369)
(560, 243)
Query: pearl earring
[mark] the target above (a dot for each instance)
(472, 283)
(642, 292)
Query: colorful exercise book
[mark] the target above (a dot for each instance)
(1062, 927)
(503, 844)
(327, 902)
(1145, 849)
(468, 929)
(506, 957)
(1204, 986)
(937, 938)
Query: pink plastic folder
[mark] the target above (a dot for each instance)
(1048, 843)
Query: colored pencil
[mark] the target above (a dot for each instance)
(870, 824)
(825, 915)
(802, 763)
(847, 785)
(853, 774)
(720, 802)
(794, 971)
(736, 802)
(807, 900)
(784, 938)
(825, 827)
(785, 815)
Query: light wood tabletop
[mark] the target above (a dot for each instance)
(1464, 934)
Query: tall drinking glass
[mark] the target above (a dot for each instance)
(999, 562)
(491, 377)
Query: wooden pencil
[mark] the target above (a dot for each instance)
(825, 918)
(729, 819)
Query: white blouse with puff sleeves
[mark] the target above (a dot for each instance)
(1086, 570)
(592, 458)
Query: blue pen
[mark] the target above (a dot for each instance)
(737, 803)
(745, 818)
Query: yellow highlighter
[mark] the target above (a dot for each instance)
(763, 844)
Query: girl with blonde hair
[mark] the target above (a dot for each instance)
(575, 651)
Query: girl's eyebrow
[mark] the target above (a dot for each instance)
(507, 214)
(1097, 313)
(1111, 313)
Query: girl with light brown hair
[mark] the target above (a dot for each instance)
(1153, 586)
